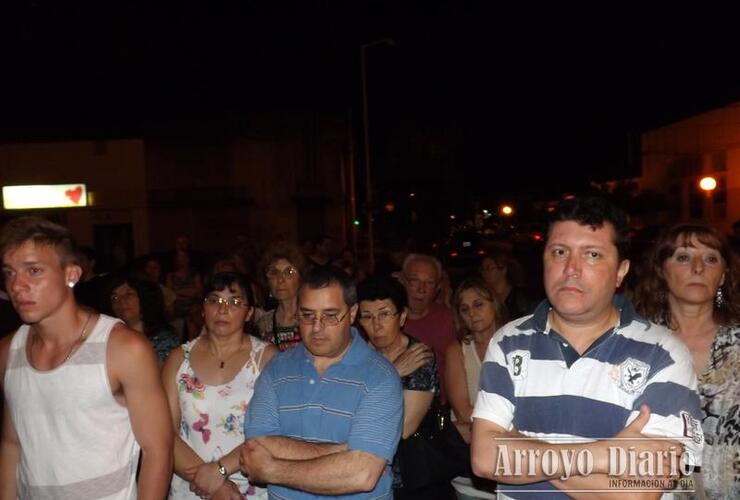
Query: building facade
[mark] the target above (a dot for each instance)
(677, 156)
(269, 176)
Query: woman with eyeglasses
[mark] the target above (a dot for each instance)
(382, 313)
(209, 383)
(140, 304)
(281, 266)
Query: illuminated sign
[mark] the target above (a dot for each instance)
(44, 196)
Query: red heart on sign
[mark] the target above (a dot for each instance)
(74, 194)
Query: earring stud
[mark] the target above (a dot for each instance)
(71, 284)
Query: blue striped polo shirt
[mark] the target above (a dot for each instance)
(358, 401)
(530, 381)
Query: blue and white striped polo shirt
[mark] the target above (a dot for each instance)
(358, 401)
(528, 383)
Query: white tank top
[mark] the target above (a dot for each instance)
(472, 366)
(472, 370)
(76, 440)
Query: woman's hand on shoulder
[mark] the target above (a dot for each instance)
(413, 358)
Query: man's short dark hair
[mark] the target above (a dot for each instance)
(594, 211)
(41, 232)
(324, 276)
(382, 288)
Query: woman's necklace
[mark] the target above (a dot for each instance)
(222, 362)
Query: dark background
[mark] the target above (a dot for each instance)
(472, 99)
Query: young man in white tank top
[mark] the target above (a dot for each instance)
(82, 391)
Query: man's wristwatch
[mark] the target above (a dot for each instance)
(222, 469)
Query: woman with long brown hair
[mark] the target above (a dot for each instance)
(689, 284)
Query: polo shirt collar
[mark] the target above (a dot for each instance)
(539, 320)
(355, 355)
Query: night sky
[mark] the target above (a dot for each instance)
(470, 99)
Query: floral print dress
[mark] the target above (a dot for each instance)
(719, 389)
(212, 417)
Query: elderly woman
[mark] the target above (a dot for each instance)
(209, 383)
(282, 264)
(689, 284)
(478, 314)
(140, 304)
(382, 313)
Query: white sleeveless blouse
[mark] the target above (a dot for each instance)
(212, 417)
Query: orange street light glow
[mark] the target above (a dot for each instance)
(507, 210)
(708, 183)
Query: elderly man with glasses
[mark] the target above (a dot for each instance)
(326, 416)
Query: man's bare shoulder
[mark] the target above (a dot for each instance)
(5, 343)
(173, 362)
(4, 350)
(128, 345)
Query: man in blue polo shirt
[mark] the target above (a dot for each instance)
(582, 369)
(326, 417)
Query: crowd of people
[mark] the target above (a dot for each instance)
(299, 374)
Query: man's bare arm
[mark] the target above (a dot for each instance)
(294, 449)
(10, 451)
(493, 448)
(10, 448)
(494, 451)
(135, 369)
(602, 482)
(346, 472)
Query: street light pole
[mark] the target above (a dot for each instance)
(366, 144)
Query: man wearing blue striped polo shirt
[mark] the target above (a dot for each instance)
(582, 369)
(326, 417)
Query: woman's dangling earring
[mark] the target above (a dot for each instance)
(719, 298)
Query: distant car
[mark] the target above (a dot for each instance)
(463, 249)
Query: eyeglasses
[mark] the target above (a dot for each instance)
(326, 319)
(274, 273)
(231, 302)
(382, 316)
(124, 296)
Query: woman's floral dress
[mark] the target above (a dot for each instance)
(719, 389)
(212, 417)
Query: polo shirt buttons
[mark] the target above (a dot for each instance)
(311, 381)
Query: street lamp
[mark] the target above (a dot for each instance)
(708, 184)
(366, 135)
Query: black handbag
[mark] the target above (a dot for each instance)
(435, 453)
